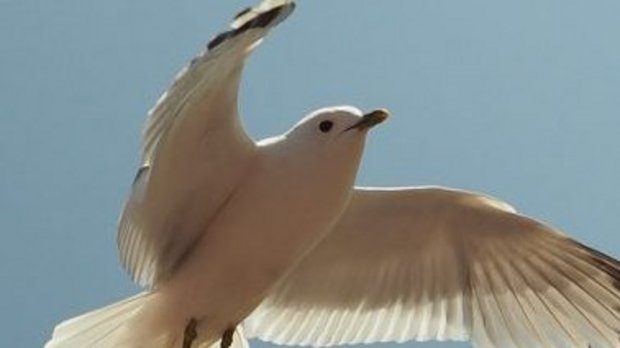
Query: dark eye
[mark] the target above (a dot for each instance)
(326, 126)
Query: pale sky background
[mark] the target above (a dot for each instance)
(519, 99)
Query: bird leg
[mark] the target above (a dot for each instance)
(190, 333)
(227, 337)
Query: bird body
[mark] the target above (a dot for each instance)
(276, 231)
(271, 238)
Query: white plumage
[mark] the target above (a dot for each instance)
(272, 236)
(435, 264)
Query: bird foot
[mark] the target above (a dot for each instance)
(227, 337)
(190, 333)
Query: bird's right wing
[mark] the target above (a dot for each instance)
(437, 264)
(194, 151)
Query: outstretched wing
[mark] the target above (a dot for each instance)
(436, 264)
(194, 151)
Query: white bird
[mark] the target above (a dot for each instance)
(273, 237)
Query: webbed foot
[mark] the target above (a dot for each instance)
(190, 333)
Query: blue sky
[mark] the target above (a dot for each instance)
(519, 99)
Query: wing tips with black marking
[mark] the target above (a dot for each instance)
(267, 14)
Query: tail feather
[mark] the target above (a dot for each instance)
(97, 328)
(129, 324)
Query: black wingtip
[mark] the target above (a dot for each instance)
(272, 17)
(242, 12)
(604, 262)
(219, 38)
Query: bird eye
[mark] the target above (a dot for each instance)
(326, 126)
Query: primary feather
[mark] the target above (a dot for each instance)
(438, 264)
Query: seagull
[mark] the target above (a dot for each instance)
(234, 239)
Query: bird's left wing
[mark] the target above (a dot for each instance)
(438, 264)
(194, 151)
(214, 75)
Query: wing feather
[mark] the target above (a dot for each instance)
(438, 264)
(195, 151)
